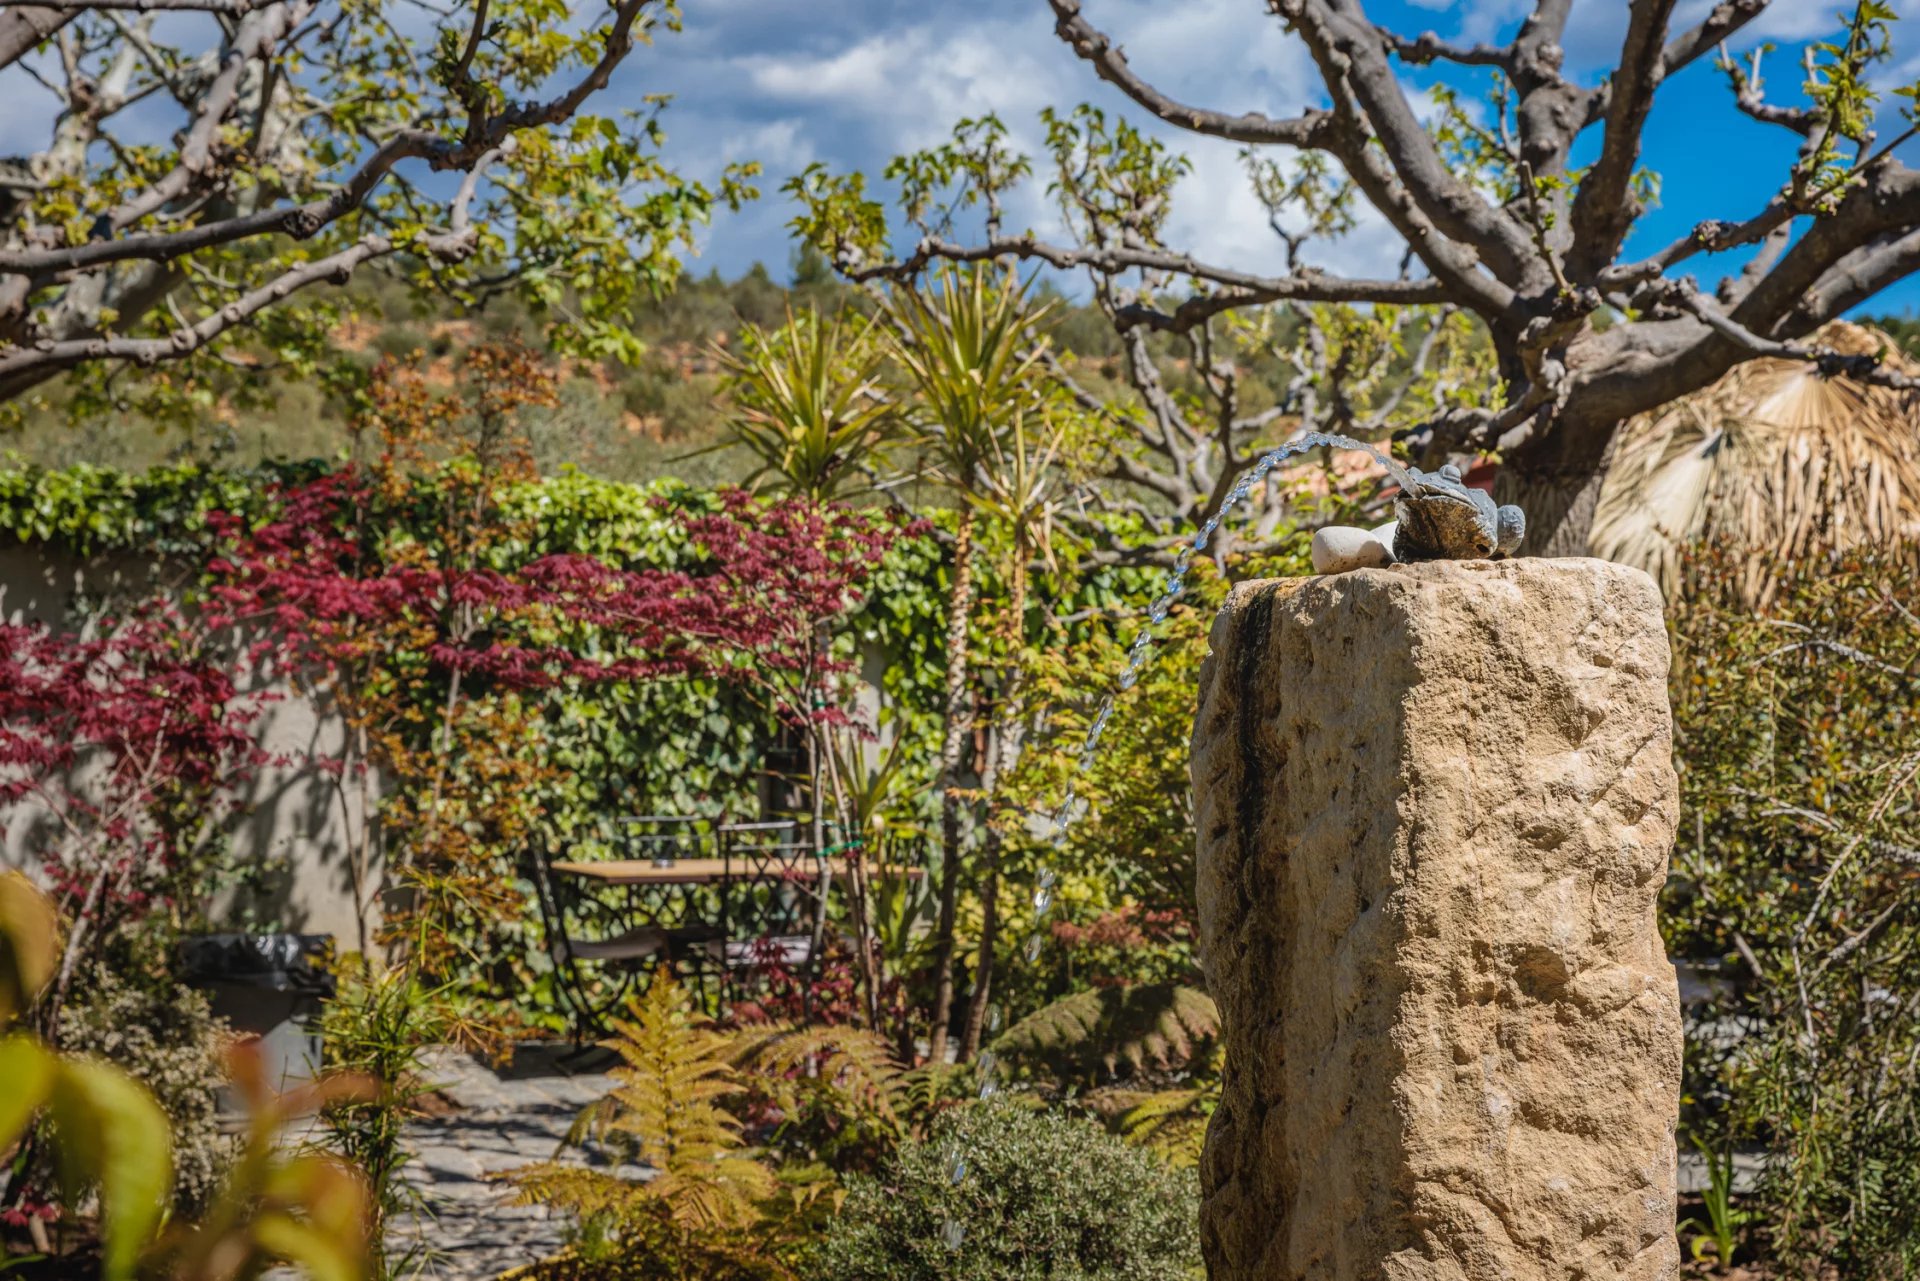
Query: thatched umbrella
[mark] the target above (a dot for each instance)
(1773, 457)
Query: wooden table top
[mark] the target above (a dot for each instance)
(707, 871)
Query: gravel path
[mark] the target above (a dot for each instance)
(503, 1121)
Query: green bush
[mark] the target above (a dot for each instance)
(1043, 1195)
(1796, 886)
(165, 1036)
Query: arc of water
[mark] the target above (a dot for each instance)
(1071, 809)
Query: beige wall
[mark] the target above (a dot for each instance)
(292, 827)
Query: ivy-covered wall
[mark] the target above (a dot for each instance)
(686, 746)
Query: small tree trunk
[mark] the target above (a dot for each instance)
(959, 722)
(1559, 492)
(1005, 752)
(972, 1028)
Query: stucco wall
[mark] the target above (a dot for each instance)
(293, 828)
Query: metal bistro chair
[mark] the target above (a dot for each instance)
(666, 911)
(772, 877)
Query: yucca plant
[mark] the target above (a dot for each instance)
(887, 902)
(807, 402)
(970, 350)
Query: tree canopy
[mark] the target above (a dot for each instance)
(208, 170)
(1501, 223)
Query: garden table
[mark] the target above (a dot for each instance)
(704, 871)
(758, 900)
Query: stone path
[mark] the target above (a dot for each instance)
(503, 1121)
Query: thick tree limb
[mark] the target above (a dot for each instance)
(1110, 64)
(1355, 66)
(1859, 276)
(24, 26)
(1604, 208)
(1722, 21)
(1885, 198)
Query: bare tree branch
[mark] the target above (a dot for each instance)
(24, 26)
(1428, 46)
(1748, 97)
(49, 356)
(229, 8)
(1307, 286)
(1110, 64)
(1864, 369)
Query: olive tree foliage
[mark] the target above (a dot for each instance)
(212, 165)
(1502, 230)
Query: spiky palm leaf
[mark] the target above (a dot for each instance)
(1158, 1025)
(807, 402)
(971, 350)
(1774, 457)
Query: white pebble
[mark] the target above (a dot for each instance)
(1339, 548)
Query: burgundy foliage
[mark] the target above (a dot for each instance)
(127, 737)
(766, 578)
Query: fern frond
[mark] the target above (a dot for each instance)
(1172, 1123)
(584, 1193)
(1162, 1025)
(855, 1065)
(666, 1096)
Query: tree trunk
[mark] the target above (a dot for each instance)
(959, 722)
(1559, 508)
(1005, 752)
(976, 1016)
(1557, 484)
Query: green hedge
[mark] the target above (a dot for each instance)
(680, 746)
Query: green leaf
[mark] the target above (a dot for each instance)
(28, 1069)
(29, 944)
(112, 1133)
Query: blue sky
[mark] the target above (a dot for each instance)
(854, 82)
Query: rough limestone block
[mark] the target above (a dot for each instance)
(1435, 804)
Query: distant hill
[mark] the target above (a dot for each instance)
(623, 423)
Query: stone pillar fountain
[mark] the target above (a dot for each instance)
(1435, 803)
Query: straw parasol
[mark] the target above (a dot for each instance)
(1773, 457)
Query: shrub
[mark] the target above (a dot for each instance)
(167, 1038)
(1044, 1195)
(1797, 730)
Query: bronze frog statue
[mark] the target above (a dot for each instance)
(1441, 517)
(1437, 516)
